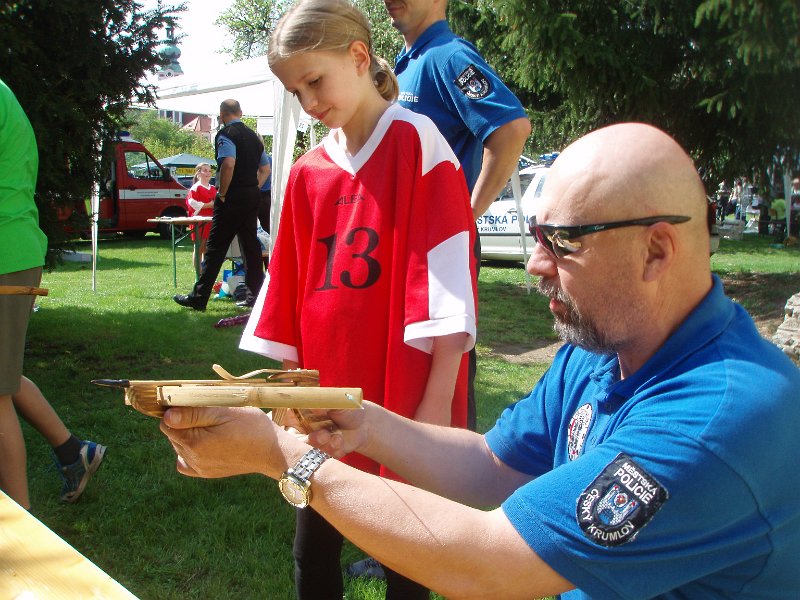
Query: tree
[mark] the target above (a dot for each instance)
(164, 138)
(722, 76)
(75, 66)
(387, 41)
(250, 23)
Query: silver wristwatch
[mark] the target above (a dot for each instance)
(295, 484)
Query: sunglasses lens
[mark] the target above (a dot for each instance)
(540, 237)
(555, 243)
(563, 246)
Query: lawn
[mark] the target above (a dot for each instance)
(165, 536)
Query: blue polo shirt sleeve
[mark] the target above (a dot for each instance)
(476, 93)
(268, 183)
(444, 77)
(225, 148)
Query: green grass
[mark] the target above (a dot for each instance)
(755, 254)
(164, 536)
(759, 274)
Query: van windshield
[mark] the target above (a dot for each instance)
(141, 166)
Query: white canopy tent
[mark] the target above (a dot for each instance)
(260, 95)
(249, 81)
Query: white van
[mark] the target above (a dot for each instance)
(499, 227)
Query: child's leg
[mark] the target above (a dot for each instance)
(399, 587)
(317, 554)
(14, 314)
(13, 473)
(36, 410)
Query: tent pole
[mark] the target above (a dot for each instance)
(516, 189)
(94, 206)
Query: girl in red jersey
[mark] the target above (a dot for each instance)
(200, 203)
(372, 280)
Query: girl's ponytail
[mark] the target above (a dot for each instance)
(384, 78)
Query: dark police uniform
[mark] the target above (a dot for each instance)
(237, 215)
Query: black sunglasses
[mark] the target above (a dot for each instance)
(559, 240)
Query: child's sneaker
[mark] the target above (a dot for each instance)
(368, 567)
(77, 475)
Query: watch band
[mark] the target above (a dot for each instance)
(309, 463)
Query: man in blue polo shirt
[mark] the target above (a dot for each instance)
(445, 78)
(656, 458)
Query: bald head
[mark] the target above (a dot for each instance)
(627, 171)
(625, 289)
(230, 107)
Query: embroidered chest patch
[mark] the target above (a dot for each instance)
(473, 83)
(619, 502)
(578, 430)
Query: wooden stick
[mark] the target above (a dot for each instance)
(262, 397)
(294, 374)
(22, 290)
(155, 383)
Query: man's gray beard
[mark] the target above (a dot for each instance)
(574, 328)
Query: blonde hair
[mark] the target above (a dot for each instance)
(197, 169)
(329, 25)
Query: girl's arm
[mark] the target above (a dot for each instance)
(194, 204)
(213, 193)
(438, 397)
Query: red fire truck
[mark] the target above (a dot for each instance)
(134, 187)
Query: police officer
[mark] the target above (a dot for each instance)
(445, 78)
(242, 168)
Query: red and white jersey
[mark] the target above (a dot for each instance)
(197, 196)
(373, 260)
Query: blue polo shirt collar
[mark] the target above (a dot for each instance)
(435, 31)
(705, 323)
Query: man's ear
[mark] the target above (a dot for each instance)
(660, 250)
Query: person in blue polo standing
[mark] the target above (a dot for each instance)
(242, 168)
(266, 199)
(445, 78)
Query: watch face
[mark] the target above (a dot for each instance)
(294, 492)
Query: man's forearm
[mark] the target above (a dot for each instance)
(501, 152)
(451, 462)
(263, 174)
(450, 547)
(225, 175)
(458, 551)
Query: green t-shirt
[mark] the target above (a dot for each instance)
(22, 243)
(779, 206)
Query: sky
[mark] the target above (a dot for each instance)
(202, 39)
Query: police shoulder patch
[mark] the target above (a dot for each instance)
(473, 83)
(619, 502)
(578, 430)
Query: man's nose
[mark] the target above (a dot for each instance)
(541, 262)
